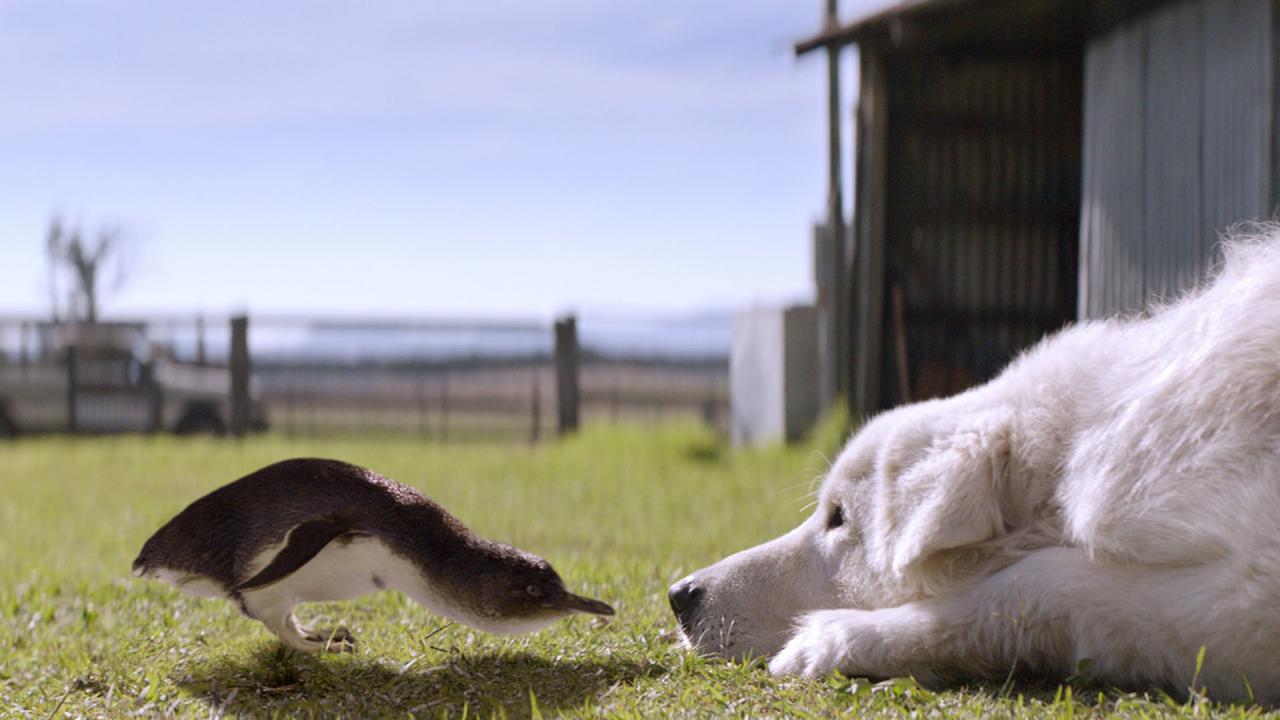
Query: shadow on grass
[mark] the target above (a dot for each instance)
(277, 680)
(1092, 695)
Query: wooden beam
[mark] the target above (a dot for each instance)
(868, 289)
(835, 216)
(831, 37)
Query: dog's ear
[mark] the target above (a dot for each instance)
(948, 495)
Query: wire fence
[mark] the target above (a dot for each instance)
(445, 381)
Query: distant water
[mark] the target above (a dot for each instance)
(701, 337)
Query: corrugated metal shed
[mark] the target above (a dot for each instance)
(1021, 163)
(981, 214)
(967, 208)
(1178, 146)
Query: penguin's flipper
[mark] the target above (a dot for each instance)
(304, 542)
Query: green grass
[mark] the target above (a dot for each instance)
(621, 512)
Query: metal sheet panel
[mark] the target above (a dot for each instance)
(1174, 96)
(982, 215)
(1112, 209)
(1178, 147)
(1237, 114)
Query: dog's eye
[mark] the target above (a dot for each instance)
(835, 518)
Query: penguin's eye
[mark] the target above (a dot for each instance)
(533, 591)
(835, 518)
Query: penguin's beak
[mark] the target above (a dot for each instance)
(577, 603)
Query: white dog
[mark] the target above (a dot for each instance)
(1113, 496)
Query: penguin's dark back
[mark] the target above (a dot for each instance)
(219, 534)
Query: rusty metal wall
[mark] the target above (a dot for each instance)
(982, 215)
(1178, 146)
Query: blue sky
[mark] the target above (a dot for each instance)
(417, 158)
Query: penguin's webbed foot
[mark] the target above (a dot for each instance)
(337, 640)
(279, 618)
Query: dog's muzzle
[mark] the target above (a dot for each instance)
(685, 598)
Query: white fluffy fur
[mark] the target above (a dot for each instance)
(1112, 496)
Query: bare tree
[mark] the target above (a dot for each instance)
(85, 261)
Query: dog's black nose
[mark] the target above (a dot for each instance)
(684, 597)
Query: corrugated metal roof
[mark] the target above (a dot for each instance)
(868, 23)
(1046, 23)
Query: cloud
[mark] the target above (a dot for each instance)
(94, 65)
(473, 149)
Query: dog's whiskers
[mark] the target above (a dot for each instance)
(806, 484)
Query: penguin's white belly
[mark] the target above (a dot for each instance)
(343, 570)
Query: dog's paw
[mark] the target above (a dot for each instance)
(890, 642)
(818, 646)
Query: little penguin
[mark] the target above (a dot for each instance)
(308, 530)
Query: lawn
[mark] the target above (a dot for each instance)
(620, 511)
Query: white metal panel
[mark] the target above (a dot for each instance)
(1112, 203)
(1179, 122)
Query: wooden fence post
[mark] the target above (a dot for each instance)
(24, 354)
(567, 373)
(239, 362)
(73, 387)
(444, 408)
(420, 402)
(535, 410)
(201, 359)
(711, 413)
(292, 409)
(155, 398)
